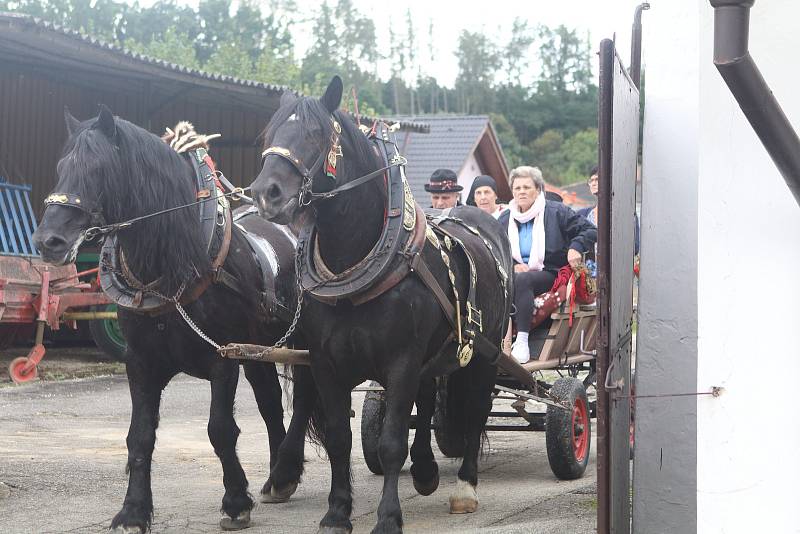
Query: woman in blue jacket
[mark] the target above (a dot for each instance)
(544, 235)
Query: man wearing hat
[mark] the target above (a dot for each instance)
(444, 189)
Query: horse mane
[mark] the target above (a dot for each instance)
(135, 175)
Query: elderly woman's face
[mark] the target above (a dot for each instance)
(486, 199)
(525, 192)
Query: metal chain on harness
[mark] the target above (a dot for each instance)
(280, 343)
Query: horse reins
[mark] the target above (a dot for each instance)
(96, 215)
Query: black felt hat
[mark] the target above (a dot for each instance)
(443, 181)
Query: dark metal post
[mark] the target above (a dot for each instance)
(636, 44)
(604, 112)
(734, 63)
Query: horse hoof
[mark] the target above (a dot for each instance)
(334, 530)
(241, 521)
(425, 488)
(464, 499)
(277, 496)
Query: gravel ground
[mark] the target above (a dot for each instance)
(62, 458)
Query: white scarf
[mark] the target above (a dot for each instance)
(535, 213)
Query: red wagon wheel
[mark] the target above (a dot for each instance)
(568, 429)
(580, 424)
(19, 373)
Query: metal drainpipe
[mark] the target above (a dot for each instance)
(734, 63)
(636, 44)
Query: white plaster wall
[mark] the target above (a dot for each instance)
(720, 286)
(664, 495)
(468, 172)
(748, 454)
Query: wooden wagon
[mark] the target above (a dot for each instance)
(34, 294)
(559, 377)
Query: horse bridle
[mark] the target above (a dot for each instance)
(305, 196)
(90, 208)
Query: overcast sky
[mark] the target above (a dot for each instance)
(597, 18)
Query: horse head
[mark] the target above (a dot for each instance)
(297, 143)
(90, 158)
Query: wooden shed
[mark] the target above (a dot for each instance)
(45, 67)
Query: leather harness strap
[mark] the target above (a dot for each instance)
(419, 266)
(413, 249)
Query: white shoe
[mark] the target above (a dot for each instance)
(520, 351)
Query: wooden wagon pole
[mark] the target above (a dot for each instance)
(260, 353)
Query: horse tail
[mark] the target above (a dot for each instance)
(316, 424)
(307, 399)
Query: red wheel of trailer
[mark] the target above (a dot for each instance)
(568, 429)
(580, 424)
(18, 373)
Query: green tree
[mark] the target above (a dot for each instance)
(173, 46)
(565, 60)
(580, 154)
(516, 153)
(270, 68)
(546, 153)
(515, 54)
(477, 65)
(231, 59)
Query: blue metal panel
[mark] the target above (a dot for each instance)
(8, 225)
(18, 220)
(24, 216)
(3, 239)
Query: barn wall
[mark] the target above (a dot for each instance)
(32, 128)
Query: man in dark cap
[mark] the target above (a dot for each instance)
(443, 187)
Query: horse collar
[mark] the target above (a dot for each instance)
(387, 263)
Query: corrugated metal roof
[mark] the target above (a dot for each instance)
(20, 31)
(451, 140)
(29, 21)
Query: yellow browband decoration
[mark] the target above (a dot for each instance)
(56, 198)
(279, 150)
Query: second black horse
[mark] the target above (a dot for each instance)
(390, 338)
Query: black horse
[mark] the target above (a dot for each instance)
(390, 338)
(113, 169)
